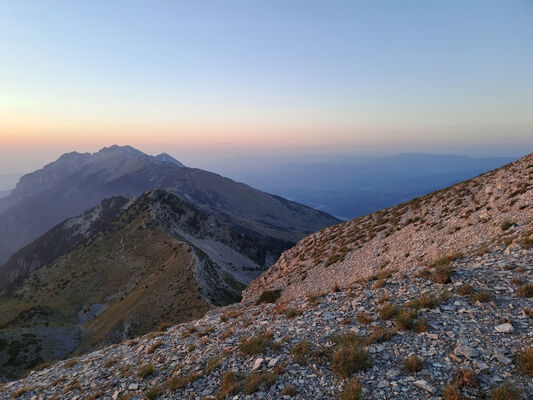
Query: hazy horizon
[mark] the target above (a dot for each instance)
(206, 80)
(230, 161)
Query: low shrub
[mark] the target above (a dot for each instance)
(213, 363)
(348, 339)
(181, 381)
(153, 393)
(442, 274)
(293, 312)
(452, 392)
(465, 289)
(466, 377)
(289, 390)
(269, 296)
(379, 335)
(230, 384)
(482, 296)
(405, 320)
(364, 318)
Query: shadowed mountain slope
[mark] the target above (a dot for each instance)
(76, 182)
(124, 267)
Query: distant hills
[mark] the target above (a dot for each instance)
(78, 181)
(353, 186)
(493, 208)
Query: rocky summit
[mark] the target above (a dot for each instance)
(458, 330)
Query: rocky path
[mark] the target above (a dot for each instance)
(405, 336)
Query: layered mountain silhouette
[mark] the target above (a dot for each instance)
(79, 181)
(397, 304)
(139, 258)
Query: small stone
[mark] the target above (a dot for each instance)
(504, 328)
(422, 384)
(500, 356)
(393, 373)
(463, 349)
(257, 364)
(383, 384)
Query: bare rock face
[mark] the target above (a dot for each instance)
(496, 207)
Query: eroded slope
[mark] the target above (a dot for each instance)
(493, 207)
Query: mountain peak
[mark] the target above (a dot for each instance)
(128, 151)
(164, 157)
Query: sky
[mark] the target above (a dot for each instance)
(206, 79)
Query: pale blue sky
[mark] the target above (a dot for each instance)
(208, 76)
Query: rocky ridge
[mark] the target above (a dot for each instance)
(462, 330)
(494, 207)
(77, 182)
(119, 271)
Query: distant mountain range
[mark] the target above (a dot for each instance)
(78, 181)
(355, 186)
(140, 257)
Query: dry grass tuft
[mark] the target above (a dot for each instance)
(442, 274)
(145, 371)
(251, 346)
(258, 380)
(388, 311)
(413, 364)
(525, 360)
(300, 351)
(353, 390)
(525, 290)
(506, 391)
